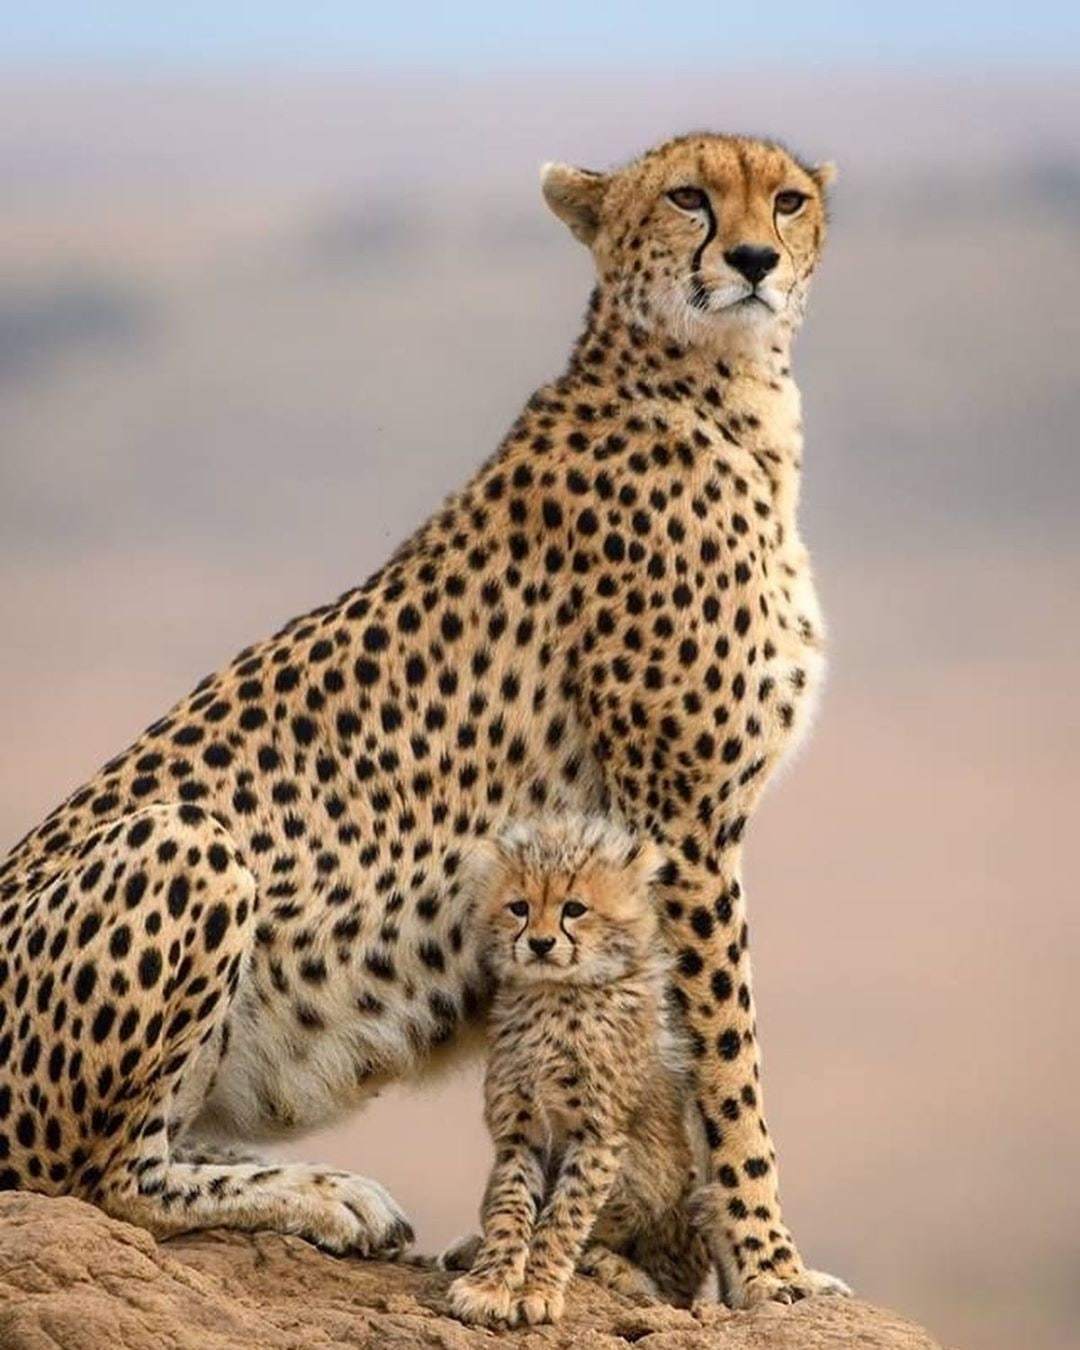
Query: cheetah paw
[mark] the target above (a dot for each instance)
(461, 1253)
(485, 1300)
(540, 1305)
(620, 1275)
(633, 1284)
(346, 1214)
(766, 1288)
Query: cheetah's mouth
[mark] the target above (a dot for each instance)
(728, 298)
(750, 300)
(544, 968)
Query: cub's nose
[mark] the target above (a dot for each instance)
(753, 263)
(541, 946)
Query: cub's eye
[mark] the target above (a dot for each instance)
(688, 198)
(573, 909)
(787, 203)
(520, 908)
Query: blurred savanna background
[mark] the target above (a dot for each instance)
(273, 279)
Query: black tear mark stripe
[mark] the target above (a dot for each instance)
(710, 235)
(699, 294)
(791, 257)
(562, 917)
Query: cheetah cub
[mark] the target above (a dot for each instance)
(585, 1096)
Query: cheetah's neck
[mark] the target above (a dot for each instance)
(739, 385)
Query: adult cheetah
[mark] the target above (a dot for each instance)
(253, 917)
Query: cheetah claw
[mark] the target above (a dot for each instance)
(765, 1288)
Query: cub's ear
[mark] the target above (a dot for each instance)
(647, 861)
(484, 865)
(825, 174)
(575, 195)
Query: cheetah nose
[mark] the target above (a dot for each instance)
(541, 946)
(753, 263)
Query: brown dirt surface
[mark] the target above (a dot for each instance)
(70, 1277)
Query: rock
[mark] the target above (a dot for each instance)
(72, 1278)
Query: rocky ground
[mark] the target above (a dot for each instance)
(74, 1279)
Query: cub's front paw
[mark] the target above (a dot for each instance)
(540, 1304)
(770, 1288)
(484, 1300)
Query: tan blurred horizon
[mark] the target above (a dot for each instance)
(253, 328)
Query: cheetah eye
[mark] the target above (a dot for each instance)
(787, 203)
(573, 909)
(519, 908)
(688, 198)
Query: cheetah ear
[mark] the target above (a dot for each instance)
(647, 861)
(824, 174)
(482, 856)
(485, 864)
(575, 195)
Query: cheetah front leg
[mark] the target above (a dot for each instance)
(487, 1293)
(667, 775)
(587, 1174)
(738, 1210)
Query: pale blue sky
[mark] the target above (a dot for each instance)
(481, 35)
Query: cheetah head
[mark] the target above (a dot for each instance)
(702, 236)
(568, 899)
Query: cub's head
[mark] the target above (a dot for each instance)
(567, 898)
(701, 234)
